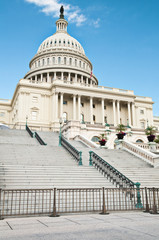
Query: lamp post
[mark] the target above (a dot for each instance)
(26, 119)
(60, 135)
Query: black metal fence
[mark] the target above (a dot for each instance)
(72, 150)
(110, 172)
(27, 202)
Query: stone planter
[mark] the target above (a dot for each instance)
(102, 142)
(151, 138)
(120, 135)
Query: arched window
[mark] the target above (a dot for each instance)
(43, 62)
(75, 62)
(95, 139)
(48, 61)
(39, 63)
(59, 60)
(65, 60)
(53, 60)
(80, 63)
(64, 116)
(139, 141)
(70, 61)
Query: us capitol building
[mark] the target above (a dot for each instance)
(60, 85)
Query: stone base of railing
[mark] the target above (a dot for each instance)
(119, 144)
(152, 146)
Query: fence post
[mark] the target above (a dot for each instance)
(147, 203)
(80, 159)
(138, 204)
(1, 204)
(154, 209)
(90, 158)
(54, 205)
(104, 211)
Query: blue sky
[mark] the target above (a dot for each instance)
(120, 37)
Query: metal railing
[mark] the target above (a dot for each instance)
(72, 150)
(39, 139)
(28, 202)
(110, 172)
(29, 131)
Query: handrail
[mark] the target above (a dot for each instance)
(87, 141)
(112, 173)
(29, 131)
(140, 152)
(72, 150)
(39, 139)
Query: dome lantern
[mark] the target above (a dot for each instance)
(61, 23)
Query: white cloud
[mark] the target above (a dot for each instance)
(51, 7)
(96, 23)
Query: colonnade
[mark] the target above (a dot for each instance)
(63, 76)
(76, 109)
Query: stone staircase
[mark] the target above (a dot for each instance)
(132, 167)
(26, 164)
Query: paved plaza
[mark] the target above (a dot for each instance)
(116, 226)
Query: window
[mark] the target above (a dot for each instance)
(105, 107)
(39, 63)
(82, 104)
(53, 60)
(84, 65)
(139, 141)
(35, 99)
(75, 62)
(64, 102)
(59, 60)
(70, 61)
(2, 114)
(80, 63)
(34, 115)
(43, 62)
(141, 111)
(95, 139)
(94, 106)
(105, 119)
(142, 124)
(65, 60)
(94, 118)
(64, 42)
(48, 61)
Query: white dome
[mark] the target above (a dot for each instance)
(61, 40)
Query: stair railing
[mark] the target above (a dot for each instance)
(29, 131)
(110, 172)
(72, 150)
(39, 139)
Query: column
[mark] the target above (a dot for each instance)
(41, 77)
(133, 114)
(48, 77)
(56, 106)
(114, 112)
(118, 111)
(69, 77)
(74, 107)
(87, 80)
(75, 77)
(54, 75)
(81, 78)
(62, 76)
(79, 108)
(61, 105)
(129, 114)
(102, 105)
(91, 110)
